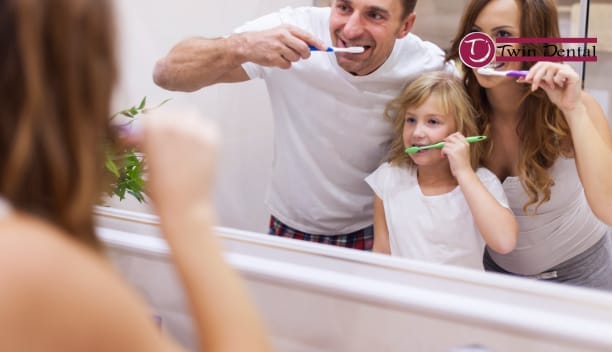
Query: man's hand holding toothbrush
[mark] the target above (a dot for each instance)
(277, 47)
(219, 60)
(195, 63)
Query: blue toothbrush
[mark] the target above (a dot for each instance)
(332, 49)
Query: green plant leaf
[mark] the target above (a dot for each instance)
(142, 103)
(111, 166)
(126, 167)
(156, 106)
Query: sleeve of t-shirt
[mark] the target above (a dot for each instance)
(491, 182)
(377, 180)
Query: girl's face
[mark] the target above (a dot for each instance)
(499, 18)
(424, 125)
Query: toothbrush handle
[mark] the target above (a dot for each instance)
(471, 139)
(314, 48)
(438, 145)
(516, 74)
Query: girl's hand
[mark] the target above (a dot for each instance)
(560, 82)
(457, 150)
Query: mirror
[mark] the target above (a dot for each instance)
(243, 110)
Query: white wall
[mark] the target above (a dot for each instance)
(146, 31)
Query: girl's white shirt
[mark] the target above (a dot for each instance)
(438, 228)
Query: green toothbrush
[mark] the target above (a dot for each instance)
(439, 145)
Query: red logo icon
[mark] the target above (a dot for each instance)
(477, 50)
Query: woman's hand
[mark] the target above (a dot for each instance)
(180, 154)
(560, 82)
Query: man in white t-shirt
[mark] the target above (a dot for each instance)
(329, 132)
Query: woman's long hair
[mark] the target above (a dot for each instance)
(453, 101)
(57, 72)
(542, 130)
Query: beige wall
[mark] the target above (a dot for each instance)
(147, 30)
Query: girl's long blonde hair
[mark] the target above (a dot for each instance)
(542, 130)
(453, 101)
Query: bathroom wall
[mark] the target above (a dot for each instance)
(146, 31)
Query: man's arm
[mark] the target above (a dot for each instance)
(195, 63)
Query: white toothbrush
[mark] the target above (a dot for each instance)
(510, 73)
(333, 49)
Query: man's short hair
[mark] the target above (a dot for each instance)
(408, 6)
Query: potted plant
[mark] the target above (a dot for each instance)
(126, 165)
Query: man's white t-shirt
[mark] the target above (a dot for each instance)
(329, 129)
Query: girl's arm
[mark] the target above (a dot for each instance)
(381, 232)
(590, 132)
(495, 222)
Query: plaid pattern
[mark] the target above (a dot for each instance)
(361, 239)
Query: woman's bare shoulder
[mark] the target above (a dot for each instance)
(56, 294)
(34, 251)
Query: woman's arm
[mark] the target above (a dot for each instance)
(181, 163)
(590, 132)
(381, 232)
(593, 152)
(57, 295)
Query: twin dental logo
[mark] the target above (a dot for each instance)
(477, 49)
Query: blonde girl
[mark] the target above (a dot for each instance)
(438, 205)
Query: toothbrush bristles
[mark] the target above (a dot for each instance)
(352, 49)
(489, 71)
